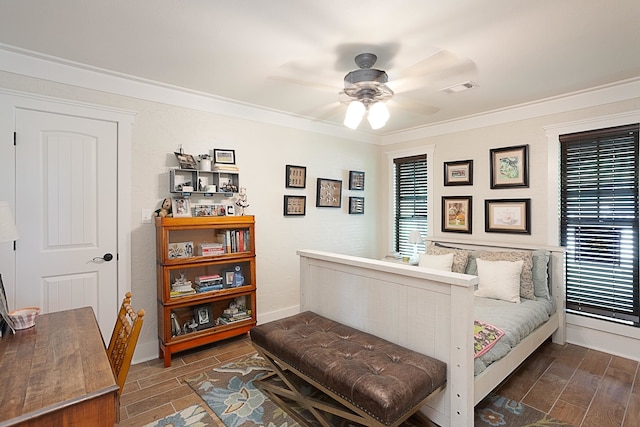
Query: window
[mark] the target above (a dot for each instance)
(410, 183)
(599, 222)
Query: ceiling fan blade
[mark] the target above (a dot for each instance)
(314, 85)
(412, 106)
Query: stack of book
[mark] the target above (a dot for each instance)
(231, 315)
(211, 249)
(182, 290)
(208, 283)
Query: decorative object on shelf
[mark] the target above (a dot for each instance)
(356, 205)
(458, 173)
(205, 162)
(457, 214)
(231, 211)
(508, 216)
(180, 250)
(181, 287)
(175, 326)
(295, 205)
(186, 161)
(204, 316)
(238, 278)
(328, 193)
(509, 167)
(165, 209)
(224, 156)
(356, 180)
(242, 200)
(181, 207)
(415, 238)
(204, 210)
(295, 176)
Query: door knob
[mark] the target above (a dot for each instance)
(106, 257)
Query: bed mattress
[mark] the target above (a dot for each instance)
(516, 320)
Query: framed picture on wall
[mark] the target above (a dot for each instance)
(509, 167)
(458, 173)
(328, 193)
(295, 176)
(224, 156)
(356, 180)
(356, 205)
(295, 205)
(457, 214)
(508, 216)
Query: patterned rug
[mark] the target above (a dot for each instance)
(193, 416)
(230, 393)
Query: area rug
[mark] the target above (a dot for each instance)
(193, 416)
(230, 393)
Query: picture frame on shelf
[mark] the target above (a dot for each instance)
(509, 167)
(356, 205)
(204, 210)
(224, 156)
(295, 205)
(458, 173)
(203, 315)
(181, 207)
(328, 193)
(457, 214)
(356, 180)
(228, 278)
(507, 216)
(186, 161)
(295, 176)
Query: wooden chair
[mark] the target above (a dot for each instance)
(124, 339)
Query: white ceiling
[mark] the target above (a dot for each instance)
(292, 56)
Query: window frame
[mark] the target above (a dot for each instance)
(593, 219)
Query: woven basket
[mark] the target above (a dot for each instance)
(24, 318)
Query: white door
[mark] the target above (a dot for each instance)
(66, 211)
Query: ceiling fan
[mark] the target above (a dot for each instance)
(367, 89)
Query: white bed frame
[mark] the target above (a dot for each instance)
(427, 311)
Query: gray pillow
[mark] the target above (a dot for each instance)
(540, 273)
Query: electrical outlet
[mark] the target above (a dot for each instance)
(146, 216)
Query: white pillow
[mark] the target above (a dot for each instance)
(437, 262)
(499, 280)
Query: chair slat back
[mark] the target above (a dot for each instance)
(124, 339)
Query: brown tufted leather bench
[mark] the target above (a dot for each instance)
(378, 383)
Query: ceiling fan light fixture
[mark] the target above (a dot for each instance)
(354, 115)
(378, 115)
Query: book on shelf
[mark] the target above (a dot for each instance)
(174, 294)
(209, 288)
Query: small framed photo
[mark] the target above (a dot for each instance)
(328, 193)
(457, 214)
(295, 176)
(356, 205)
(203, 316)
(507, 216)
(227, 157)
(181, 207)
(458, 173)
(356, 180)
(204, 210)
(295, 205)
(186, 161)
(509, 167)
(228, 278)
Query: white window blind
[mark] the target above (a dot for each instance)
(410, 201)
(599, 222)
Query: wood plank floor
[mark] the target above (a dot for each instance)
(583, 387)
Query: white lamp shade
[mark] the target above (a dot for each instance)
(415, 237)
(378, 115)
(354, 115)
(8, 230)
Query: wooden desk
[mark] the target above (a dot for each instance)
(57, 373)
